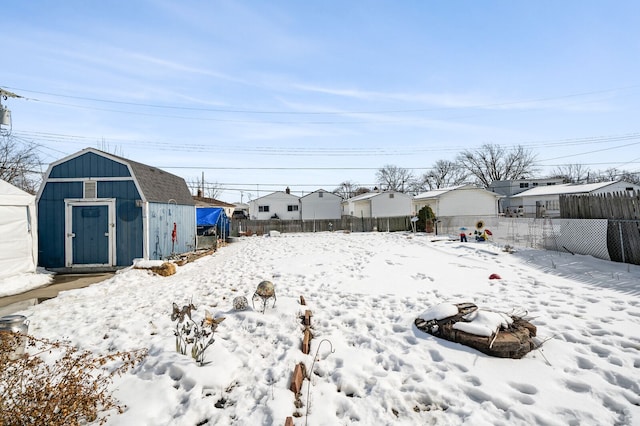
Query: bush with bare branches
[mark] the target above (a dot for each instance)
(54, 383)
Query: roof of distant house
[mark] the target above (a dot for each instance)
(436, 193)
(372, 194)
(274, 193)
(206, 202)
(320, 191)
(566, 188)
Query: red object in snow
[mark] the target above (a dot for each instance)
(495, 277)
(488, 232)
(174, 233)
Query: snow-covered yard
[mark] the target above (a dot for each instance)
(365, 291)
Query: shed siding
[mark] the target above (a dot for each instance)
(129, 231)
(162, 216)
(89, 165)
(51, 221)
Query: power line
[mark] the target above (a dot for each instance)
(236, 110)
(301, 151)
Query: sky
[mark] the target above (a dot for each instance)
(368, 363)
(260, 96)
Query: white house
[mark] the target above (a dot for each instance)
(321, 204)
(378, 204)
(545, 200)
(277, 205)
(18, 227)
(509, 188)
(460, 201)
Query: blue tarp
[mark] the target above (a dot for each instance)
(208, 216)
(212, 216)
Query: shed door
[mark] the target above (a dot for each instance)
(90, 224)
(89, 240)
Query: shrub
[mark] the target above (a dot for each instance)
(71, 387)
(426, 219)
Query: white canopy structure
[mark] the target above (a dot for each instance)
(18, 231)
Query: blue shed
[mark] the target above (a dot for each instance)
(100, 211)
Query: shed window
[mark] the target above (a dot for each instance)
(263, 209)
(292, 208)
(628, 189)
(391, 195)
(524, 184)
(320, 194)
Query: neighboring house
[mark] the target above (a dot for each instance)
(277, 205)
(544, 201)
(212, 202)
(460, 201)
(509, 188)
(18, 226)
(100, 211)
(320, 205)
(378, 204)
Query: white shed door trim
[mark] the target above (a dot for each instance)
(110, 233)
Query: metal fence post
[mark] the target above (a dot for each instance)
(621, 241)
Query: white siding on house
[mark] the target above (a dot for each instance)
(545, 201)
(321, 205)
(285, 206)
(466, 200)
(512, 187)
(391, 204)
(361, 208)
(378, 204)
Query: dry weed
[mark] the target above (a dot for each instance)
(54, 383)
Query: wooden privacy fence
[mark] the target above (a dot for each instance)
(346, 223)
(621, 209)
(618, 205)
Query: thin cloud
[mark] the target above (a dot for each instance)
(430, 101)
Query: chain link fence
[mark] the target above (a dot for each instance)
(617, 240)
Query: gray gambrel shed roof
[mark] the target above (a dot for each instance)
(160, 186)
(156, 185)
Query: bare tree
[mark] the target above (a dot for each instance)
(607, 175)
(206, 189)
(572, 173)
(394, 178)
(349, 189)
(629, 177)
(614, 174)
(493, 162)
(20, 163)
(444, 174)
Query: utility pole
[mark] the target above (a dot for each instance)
(5, 113)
